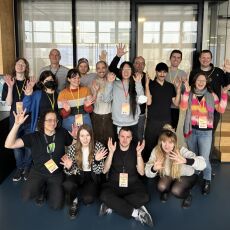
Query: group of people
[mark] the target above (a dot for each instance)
(81, 136)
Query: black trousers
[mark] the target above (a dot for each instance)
(84, 184)
(124, 200)
(179, 188)
(53, 182)
(175, 117)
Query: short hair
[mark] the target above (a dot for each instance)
(205, 51)
(177, 52)
(43, 76)
(161, 67)
(125, 128)
(56, 51)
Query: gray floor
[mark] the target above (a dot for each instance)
(210, 212)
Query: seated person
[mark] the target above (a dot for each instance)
(83, 165)
(176, 167)
(47, 146)
(124, 192)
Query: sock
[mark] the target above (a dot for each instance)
(135, 213)
(75, 201)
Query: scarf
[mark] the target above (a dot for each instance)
(210, 105)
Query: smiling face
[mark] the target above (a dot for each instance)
(74, 81)
(167, 145)
(20, 66)
(54, 57)
(83, 68)
(84, 137)
(205, 60)
(50, 123)
(139, 64)
(161, 75)
(101, 69)
(126, 72)
(201, 82)
(175, 60)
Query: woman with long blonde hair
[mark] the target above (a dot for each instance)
(175, 167)
(83, 164)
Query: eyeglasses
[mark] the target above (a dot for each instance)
(51, 121)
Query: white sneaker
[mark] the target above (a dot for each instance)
(144, 217)
(104, 210)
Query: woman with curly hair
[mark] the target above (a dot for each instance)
(83, 164)
(175, 167)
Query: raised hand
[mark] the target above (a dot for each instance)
(147, 79)
(66, 161)
(121, 50)
(140, 147)
(103, 55)
(111, 146)
(74, 131)
(158, 164)
(9, 80)
(111, 77)
(29, 88)
(226, 88)
(176, 157)
(101, 154)
(187, 86)
(177, 84)
(95, 86)
(227, 66)
(137, 77)
(89, 101)
(19, 118)
(66, 105)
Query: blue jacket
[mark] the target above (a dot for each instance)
(32, 103)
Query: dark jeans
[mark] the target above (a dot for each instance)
(124, 200)
(34, 185)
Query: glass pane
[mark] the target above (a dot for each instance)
(151, 26)
(86, 26)
(171, 38)
(87, 38)
(151, 38)
(42, 26)
(106, 26)
(42, 37)
(106, 38)
(171, 26)
(189, 26)
(63, 38)
(62, 26)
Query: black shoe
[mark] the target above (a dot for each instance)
(73, 210)
(26, 173)
(187, 201)
(18, 175)
(164, 197)
(206, 187)
(40, 200)
(104, 210)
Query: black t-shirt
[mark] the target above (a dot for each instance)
(37, 143)
(160, 109)
(126, 160)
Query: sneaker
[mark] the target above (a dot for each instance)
(104, 210)
(18, 175)
(144, 217)
(26, 173)
(187, 201)
(206, 187)
(164, 197)
(73, 210)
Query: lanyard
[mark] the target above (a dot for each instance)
(78, 96)
(50, 146)
(20, 93)
(51, 102)
(125, 92)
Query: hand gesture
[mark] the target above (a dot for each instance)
(187, 86)
(177, 83)
(103, 55)
(9, 80)
(111, 77)
(95, 87)
(158, 164)
(111, 146)
(176, 157)
(147, 79)
(226, 88)
(140, 147)
(101, 154)
(121, 50)
(227, 66)
(66, 105)
(74, 131)
(19, 118)
(89, 101)
(29, 87)
(66, 161)
(137, 77)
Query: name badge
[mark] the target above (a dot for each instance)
(123, 180)
(78, 119)
(19, 107)
(51, 165)
(125, 109)
(203, 122)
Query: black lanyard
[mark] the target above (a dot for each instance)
(50, 146)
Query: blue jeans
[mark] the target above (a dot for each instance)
(67, 122)
(200, 143)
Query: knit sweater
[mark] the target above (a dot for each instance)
(200, 109)
(78, 97)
